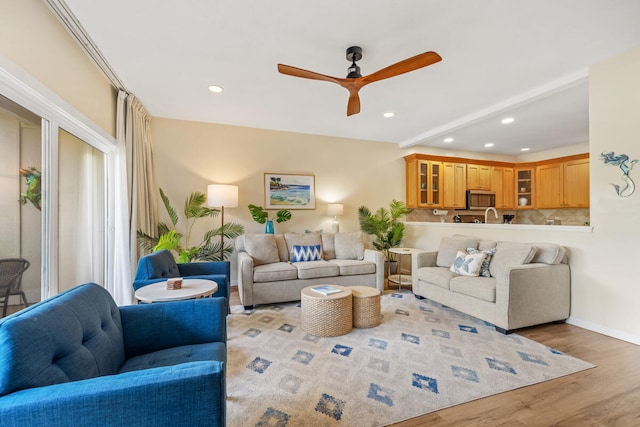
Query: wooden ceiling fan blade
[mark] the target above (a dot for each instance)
(409, 64)
(306, 74)
(353, 107)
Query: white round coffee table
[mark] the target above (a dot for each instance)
(191, 288)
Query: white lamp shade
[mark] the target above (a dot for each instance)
(335, 209)
(221, 195)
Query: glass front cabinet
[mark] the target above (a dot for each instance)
(423, 183)
(524, 187)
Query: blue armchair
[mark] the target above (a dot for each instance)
(77, 359)
(161, 265)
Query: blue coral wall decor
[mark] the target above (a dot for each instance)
(621, 160)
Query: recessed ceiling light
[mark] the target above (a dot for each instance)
(507, 120)
(525, 149)
(488, 144)
(449, 139)
(215, 88)
(389, 114)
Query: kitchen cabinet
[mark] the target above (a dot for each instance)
(503, 184)
(454, 185)
(563, 184)
(525, 187)
(423, 183)
(478, 177)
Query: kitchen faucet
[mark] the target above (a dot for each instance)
(487, 211)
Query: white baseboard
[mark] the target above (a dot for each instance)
(614, 333)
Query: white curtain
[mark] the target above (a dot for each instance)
(136, 200)
(89, 223)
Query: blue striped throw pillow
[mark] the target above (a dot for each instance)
(306, 253)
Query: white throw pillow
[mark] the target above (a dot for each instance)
(349, 245)
(468, 264)
(262, 248)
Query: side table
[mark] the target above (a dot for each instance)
(402, 279)
(326, 315)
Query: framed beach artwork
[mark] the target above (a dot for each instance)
(289, 191)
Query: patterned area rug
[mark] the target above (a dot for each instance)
(422, 358)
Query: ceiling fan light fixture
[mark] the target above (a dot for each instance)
(355, 81)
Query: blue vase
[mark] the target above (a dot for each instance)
(268, 229)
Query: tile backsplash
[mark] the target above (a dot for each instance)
(538, 217)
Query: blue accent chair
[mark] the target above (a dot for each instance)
(161, 265)
(77, 359)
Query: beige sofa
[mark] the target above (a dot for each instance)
(524, 284)
(272, 267)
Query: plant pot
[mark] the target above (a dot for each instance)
(390, 267)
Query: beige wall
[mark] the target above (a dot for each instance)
(54, 58)
(191, 155)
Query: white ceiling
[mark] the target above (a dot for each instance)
(526, 59)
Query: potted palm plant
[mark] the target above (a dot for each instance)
(384, 224)
(209, 249)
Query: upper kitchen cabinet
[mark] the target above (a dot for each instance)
(563, 184)
(503, 184)
(453, 185)
(478, 177)
(423, 182)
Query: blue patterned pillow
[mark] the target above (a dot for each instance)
(484, 268)
(306, 253)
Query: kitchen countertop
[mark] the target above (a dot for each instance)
(471, 225)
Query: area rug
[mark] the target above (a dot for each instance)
(423, 357)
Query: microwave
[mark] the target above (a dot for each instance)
(480, 199)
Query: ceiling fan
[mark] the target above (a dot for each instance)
(355, 81)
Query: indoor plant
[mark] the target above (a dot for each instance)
(385, 226)
(208, 249)
(261, 216)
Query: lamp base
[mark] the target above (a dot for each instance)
(335, 227)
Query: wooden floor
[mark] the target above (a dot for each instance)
(607, 395)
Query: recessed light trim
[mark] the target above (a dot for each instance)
(448, 139)
(507, 120)
(525, 149)
(489, 144)
(389, 114)
(216, 88)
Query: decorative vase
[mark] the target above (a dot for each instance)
(268, 229)
(523, 201)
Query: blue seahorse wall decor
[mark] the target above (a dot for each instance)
(621, 160)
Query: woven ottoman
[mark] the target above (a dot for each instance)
(326, 315)
(366, 307)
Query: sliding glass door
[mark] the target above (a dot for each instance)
(20, 193)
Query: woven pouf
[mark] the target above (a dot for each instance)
(366, 307)
(326, 315)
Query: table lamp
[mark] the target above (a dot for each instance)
(335, 210)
